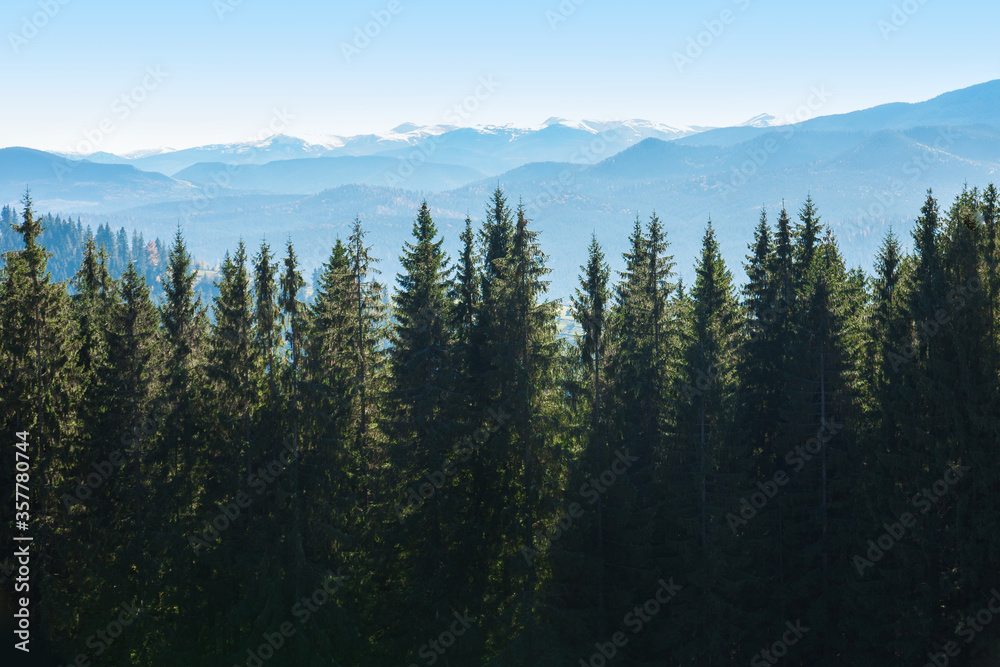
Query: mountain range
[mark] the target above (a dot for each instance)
(865, 170)
(489, 148)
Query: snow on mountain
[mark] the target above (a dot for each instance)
(762, 120)
(556, 139)
(284, 146)
(641, 129)
(133, 155)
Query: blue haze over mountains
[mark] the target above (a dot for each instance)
(865, 170)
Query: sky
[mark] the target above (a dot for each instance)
(121, 75)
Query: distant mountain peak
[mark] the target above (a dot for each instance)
(761, 120)
(146, 152)
(281, 139)
(405, 128)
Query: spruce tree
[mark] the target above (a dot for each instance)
(179, 454)
(645, 348)
(808, 235)
(293, 313)
(233, 366)
(134, 412)
(327, 473)
(267, 321)
(821, 417)
(761, 372)
(420, 428)
(526, 359)
(965, 392)
(41, 384)
(705, 468)
(591, 308)
(464, 296)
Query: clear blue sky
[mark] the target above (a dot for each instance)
(607, 60)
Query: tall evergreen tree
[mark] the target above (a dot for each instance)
(525, 358)
(41, 384)
(821, 416)
(132, 419)
(420, 430)
(179, 455)
(590, 308)
(705, 468)
(465, 297)
(645, 349)
(807, 236)
(582, 573)
(328, 474)
(267, 321)
(233, 366)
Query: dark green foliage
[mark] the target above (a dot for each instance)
(41, 386)
(707, 468)
(434, 478)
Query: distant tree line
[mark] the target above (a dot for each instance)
(65, 242)
(806, 468)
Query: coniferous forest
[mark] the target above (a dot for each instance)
(418, 470)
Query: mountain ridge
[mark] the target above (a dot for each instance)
(865, 173)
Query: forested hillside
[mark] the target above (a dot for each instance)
(416, 469)
(66, 241)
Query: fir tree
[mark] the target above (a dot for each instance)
(233, 366)
(41, 384)
(464, 296)
(705, 467)
(267, 326)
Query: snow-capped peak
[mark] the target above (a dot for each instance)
(305, 145)
(405, 128)
(147, 152)
(637, 128)
(761, 120)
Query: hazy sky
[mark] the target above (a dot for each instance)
(78, 72)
